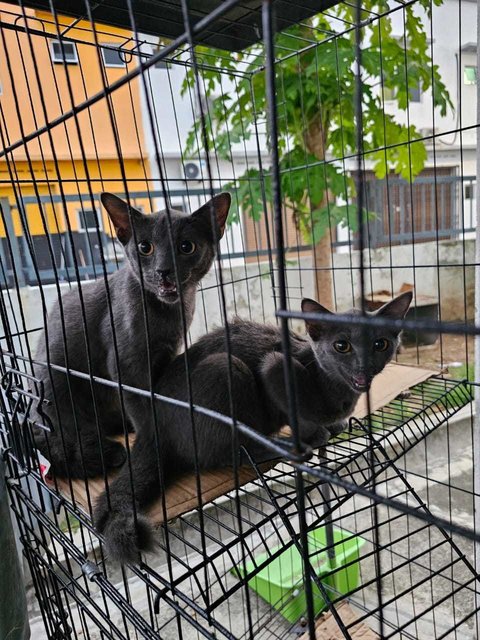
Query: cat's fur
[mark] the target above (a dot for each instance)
(328, 385)
(81, 421)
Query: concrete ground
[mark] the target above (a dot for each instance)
(439, 470)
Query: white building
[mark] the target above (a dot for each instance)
(174, 110)
(442, 198)
(454, 50)
(450, 139)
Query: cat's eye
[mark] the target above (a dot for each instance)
(145, 248)
(187, 247)
(342, 346)
(381, 344)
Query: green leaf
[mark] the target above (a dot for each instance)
(250, 192)
(317, 86)
(329, 217)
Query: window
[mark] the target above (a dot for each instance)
(469, 75)
(88, 220)
(469, 191)
(68, 55)
(179, 206)
(112, 56)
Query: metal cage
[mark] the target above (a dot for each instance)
(136, 98)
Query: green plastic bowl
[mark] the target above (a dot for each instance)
(280, 582)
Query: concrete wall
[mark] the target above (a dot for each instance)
(249, 288)
(438, 272)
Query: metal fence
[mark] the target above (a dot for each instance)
(355, 524)
(79, 235)
(431, 208)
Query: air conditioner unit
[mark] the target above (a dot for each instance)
(193, 170)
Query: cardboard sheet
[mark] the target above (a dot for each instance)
(182, 497)
(326, 627)
(394, 379)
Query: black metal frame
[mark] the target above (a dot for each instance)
(362, 474)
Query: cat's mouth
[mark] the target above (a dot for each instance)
(167, 290)
(360, 382)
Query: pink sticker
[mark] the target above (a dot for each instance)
(44, 465)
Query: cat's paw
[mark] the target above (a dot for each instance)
(126, 536)
(336, 429)
(315, 437)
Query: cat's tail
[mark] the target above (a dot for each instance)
(128, 534)
(120, 516)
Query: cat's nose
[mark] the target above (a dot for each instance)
(165, 274)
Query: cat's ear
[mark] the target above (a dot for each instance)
(396, 308)
(118, 210)
(221, 206)
(314, 328)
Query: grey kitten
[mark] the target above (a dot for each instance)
(331, 371)
(82, 415)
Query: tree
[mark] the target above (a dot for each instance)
(315, 88)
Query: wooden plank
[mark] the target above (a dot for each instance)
(183, 496)
(179, 498)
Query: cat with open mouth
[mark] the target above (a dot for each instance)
(101, 329)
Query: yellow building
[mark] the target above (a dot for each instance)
(50, 184)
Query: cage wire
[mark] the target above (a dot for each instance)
(374, 532)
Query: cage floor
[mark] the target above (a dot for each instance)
(326, 627)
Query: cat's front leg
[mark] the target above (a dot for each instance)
(311, 420)
(313, 434)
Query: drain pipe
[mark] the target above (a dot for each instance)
(13, 604)
(476, 418)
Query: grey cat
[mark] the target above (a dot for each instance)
(82, 416)
(331, 371)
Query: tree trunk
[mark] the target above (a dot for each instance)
(322, 263)
(322, 251)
